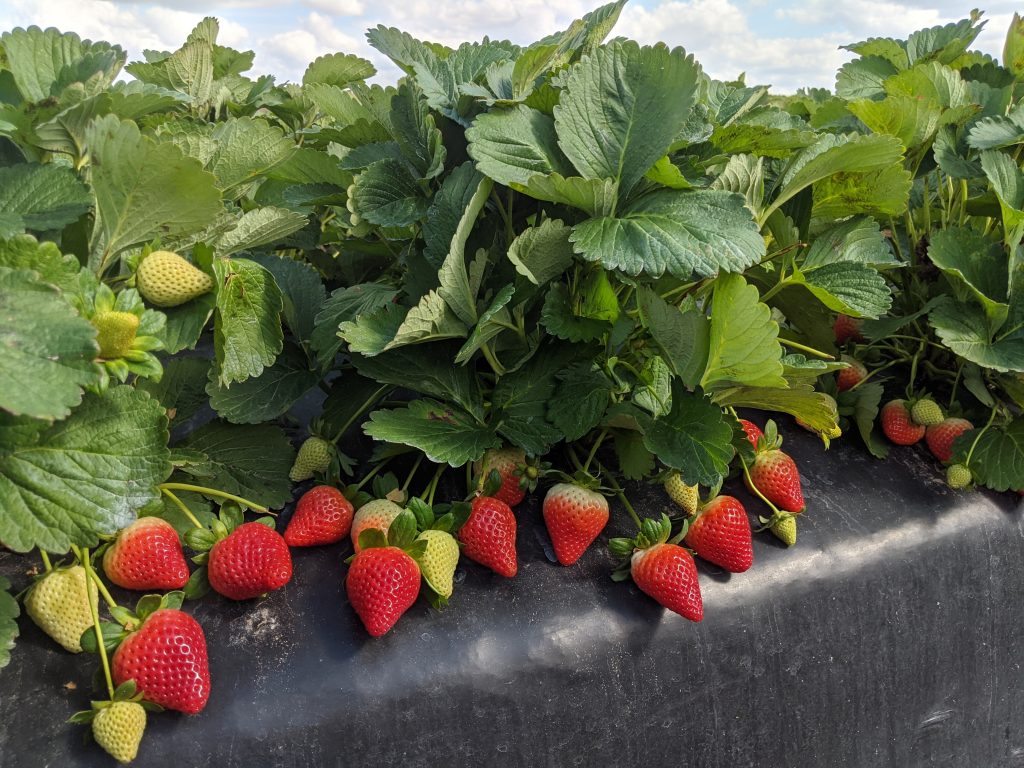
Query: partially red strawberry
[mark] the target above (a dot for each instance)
(897, 424)
(941, 436)
(166, 657)
(510, 464)
(850, 377)
(753, 431)
(147, 555)
(382, 584)
(489, 535)
(721, 534)
(662, 570)
(775, 474)
(253, 560)
(574, 517)
(322, 516)
(846, 329)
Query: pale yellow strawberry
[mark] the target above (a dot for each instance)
(785, 530)
(116, 332)
(314, 456)
(438, 561)
(58, 604)
(119, 728)
(379, 514)
(165, 279)
(685, 496)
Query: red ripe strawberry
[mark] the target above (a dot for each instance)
(250, 562)
(322, 516)
(147, 555)
(897, 424)
(489, 536)
(382, 584)
(848, 378)
(721, 534)
(166, 657)
(667, 573)
(753, 431)
(574, 517)
(941, 436)
(775, 475)
(846, 329)
(505, 461)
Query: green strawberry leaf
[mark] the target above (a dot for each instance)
(445, 434)
(143, 190)
(635, 461)
(863, 78)
(386, 194)
(457, 288)
(251, 461)
(185, 323)
(977, 264)
(858, 240)
(542, 253)
(964, 328)
(345, 304)
(67, 483)
(46, 348)
(847, 287)
(743, 341)
(259, 227)
(42, 197)
(44, 258)
(339, 69)
(430, 374)
(998, 131)
(998, 458)
(167, 510)
(349, 397)
(693, 438)
(43, 63)
(817, 409)
(595, 196)
(682, 334)
(9, 611)
(679, 231)
(247, 330)
(866, 399)
(267, 396)
(560, 320)
(514, 145)
(579, 402)
(182, 388)
(447, 212)
(245, 149)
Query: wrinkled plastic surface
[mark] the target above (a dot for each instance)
(889, 636)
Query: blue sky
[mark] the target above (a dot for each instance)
(786, 44)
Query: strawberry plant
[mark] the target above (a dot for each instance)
(555, 269)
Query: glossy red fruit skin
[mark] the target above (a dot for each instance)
(753, 431)
(250, 562)
(775, 474)
(897, 424)
(721, 535)
(147, 555)
(848, 378)
(489, 536)
(166, 657)
(574, 517)
(382, 584)
(940, 437)
(846, 329)
(667, 573)
(322, 516)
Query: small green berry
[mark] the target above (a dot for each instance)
(958, 476)
(927, 413)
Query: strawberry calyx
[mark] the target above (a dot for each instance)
(127, 692)
(771, 440)
(202, 540)
(778, 517)
(401, 534)
(652, 532)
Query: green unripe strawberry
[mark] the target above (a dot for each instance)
(314, 456)
(927, 413)
(118, 729)
(165, 279)
(438, 561)
(58, 604)
(785, 530)
(685, 496)
(958, 476)
(1013, 48)
(116, 332)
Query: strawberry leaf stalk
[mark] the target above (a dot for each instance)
(383, 578)
(661, 568)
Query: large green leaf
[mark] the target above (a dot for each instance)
(912, 120)
(595, 196)
(683, 335)
(515, 144)
(144, 190)
(682, 232)
(542, 253)
(258, 227)
(46, 348)
(43, 258)
(458, 288)
(338, 69)
(343, 305)
(251, 461)
(430, 374)
(446, 435)
(622, 107)
(863, 78)
(692, 438)
(744, 344)
(848, 287)
(245, 149)
(997, 132)
(857, 240)
(998, 457)
(447, 211)
(42, 197)
(302, 290)
(9, 611)
(247, 330)
(182, 388)
(44, 62)
(84, 476)
(267, 396)
(817, 409)
(765, 131)
(971, 260)
(964, 328)
(386, 194)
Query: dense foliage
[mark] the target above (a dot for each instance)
(587, 250)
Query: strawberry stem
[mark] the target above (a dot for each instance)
(104, 593)
(184, 510)
(96, 620)
(428, 493)
(614, 485)
(214, 492)
(412, 472)
(593, 450)
(809, 350)
(970, 453)
(46, 561)
(755, 490)
(362, 409)
(369, 475)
